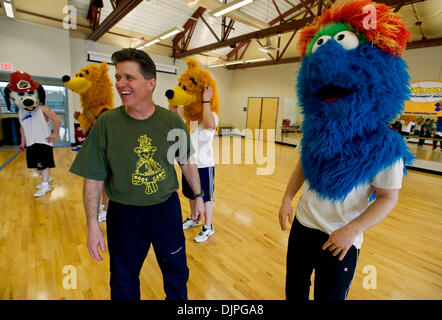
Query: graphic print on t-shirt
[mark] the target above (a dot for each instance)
(148, 171)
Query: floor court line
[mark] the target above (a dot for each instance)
(10, 160)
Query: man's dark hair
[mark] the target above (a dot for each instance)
(147, 66)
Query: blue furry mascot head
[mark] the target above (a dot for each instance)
(351, 83)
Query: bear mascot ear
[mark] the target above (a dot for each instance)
(41, 94)
(104, 67)
(192, 63)
(8, 98)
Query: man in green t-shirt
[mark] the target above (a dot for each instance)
(131, 151)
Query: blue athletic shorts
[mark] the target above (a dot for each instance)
(207, 178)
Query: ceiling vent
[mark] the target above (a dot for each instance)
(269, 47)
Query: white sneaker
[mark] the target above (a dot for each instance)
(45, 188)
(102, 215)
(39, 185)
(205, 233)
(189, 223)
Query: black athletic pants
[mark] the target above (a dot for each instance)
(130, 231)
(332, 277)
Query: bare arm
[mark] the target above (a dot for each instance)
(50, 114)
(23, 138)
(293, 186)
(92, 191)
(190, 172)
(342, 239)
(208, 120)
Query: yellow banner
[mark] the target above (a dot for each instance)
(425, 100)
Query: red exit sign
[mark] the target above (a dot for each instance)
(6, 67)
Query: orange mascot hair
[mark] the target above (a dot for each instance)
(389, 34)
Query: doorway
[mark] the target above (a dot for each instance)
(261, 114)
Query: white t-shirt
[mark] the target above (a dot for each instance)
(202, 141)
(322, 214)
(35, 126)
(407, 128)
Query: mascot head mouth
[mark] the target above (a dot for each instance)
(79, 85)
(332, 93)
(179, 97)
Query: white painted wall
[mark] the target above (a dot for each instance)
(424, 63)
(33, 48)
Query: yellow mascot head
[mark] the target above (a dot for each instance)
(94, 86)
(189, 92)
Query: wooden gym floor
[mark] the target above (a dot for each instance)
(43, 240)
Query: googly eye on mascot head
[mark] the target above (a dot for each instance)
(24, 91)
(189, 92)
(352, 82)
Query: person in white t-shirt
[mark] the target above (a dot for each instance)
(36, 136)
(202, 140)
(406, 127)
(334, 226)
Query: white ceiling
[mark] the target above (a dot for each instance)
(154, 17)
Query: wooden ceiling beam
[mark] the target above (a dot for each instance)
(228, 29)
(281, 18)
(189, 37)
(288, 43)
(279, 11)
(307, 6)
(93, 15)
(189, 23)
(425, 43)
(287, 13)
(320, 2)
(210, 29)
(414, 45)
(121, 10)
(264, 33)
(244, 51)
(289, 3)
(263, 63)
(239, 46)
(394, 3)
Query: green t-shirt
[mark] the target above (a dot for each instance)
(135, 158)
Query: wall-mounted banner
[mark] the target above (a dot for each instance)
(425, 99)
